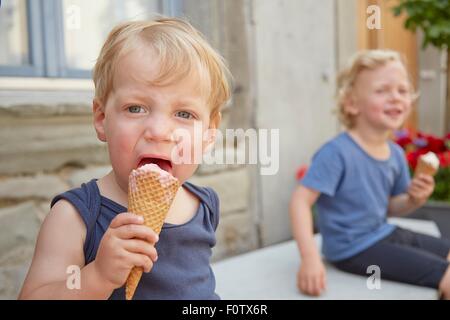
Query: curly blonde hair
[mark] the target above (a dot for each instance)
(362, 60)
(182, 52)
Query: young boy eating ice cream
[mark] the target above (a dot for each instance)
(151, 79)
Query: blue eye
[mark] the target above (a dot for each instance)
(184, 114)
(135, 109)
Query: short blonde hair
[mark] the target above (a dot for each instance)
(362, 60)
(182, 50)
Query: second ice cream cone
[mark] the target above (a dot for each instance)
(427, 164)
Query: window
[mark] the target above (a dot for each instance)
(62, 38)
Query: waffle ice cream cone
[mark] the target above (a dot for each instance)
(150, 194)
(427, 164)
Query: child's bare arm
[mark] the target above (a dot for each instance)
(401, 205)
(311, 278)
(60, 245)
(421, 188)
(302, 220)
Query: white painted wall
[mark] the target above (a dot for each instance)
(432, 88)
(294, 64)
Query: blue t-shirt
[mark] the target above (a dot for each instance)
(355, 190)
(183, 270)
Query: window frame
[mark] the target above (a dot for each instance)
(46, 47)
(35, 67)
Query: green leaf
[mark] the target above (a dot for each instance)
(397, 11)
(432, 17)
(410, 24)
(434, 31)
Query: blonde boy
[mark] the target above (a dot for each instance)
(360, 177)
(151, 79)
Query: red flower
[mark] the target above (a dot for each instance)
(413, 157)
(444, 159)
(301, 172)
(421, 144)
(404, 142)
(436, 145)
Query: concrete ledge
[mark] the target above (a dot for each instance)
(270, 273)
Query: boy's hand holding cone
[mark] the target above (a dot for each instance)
(422, 184)
(150, 194)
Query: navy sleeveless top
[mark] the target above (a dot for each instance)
(182, 271)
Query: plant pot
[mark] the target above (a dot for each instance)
(439, 212)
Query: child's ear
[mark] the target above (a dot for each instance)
(350, 106)
(99, 117)
(212, 130)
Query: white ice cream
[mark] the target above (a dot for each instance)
(431, 159)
